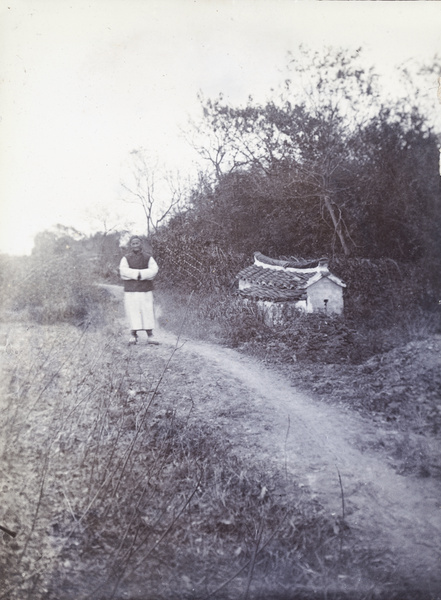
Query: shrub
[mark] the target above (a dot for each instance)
(12, 270)
(194, 262)
(55, 288)
(380, 292)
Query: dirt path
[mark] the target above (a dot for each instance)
(314, 443)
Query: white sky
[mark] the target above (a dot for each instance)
(84, 83)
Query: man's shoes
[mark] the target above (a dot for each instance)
(133, 340)
(151, 340)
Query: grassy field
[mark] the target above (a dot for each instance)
(121, 483)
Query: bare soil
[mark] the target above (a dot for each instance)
(326, 448)
(319, 444)
(343, 455)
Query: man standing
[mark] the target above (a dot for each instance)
(137, 270)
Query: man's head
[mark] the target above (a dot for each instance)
(135, 244)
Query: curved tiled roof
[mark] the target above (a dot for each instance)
(276, 283)
(257, 292)
(291, 261)
(268, 277)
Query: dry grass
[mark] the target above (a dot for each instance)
(120, 485)
(365, 367)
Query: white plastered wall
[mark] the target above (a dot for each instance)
(322, 290)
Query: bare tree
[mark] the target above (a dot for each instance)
(160, 194)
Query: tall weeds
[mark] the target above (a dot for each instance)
(117, 481)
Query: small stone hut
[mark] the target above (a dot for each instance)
(280, 287)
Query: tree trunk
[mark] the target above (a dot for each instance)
(337, 224)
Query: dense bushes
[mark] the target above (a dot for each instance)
(51, 287)
(383, 291)
(189, 261)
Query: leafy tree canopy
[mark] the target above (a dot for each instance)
(325, 166)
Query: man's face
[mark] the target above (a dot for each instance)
(135, 245)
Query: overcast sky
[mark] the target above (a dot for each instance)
(84, 83)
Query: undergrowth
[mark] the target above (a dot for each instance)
(377, 370)
(311, 338)
(119, 487)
